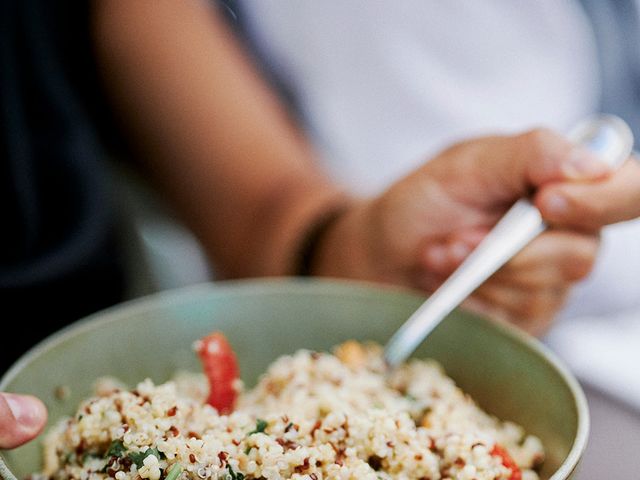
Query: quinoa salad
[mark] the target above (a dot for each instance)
(312, 416)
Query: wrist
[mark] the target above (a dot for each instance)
(303, 228)
(346, 247)
(315, 235)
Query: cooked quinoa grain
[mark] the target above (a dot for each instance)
(312, 416)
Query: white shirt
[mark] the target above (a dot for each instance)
(385, 85)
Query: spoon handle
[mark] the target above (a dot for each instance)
(607, 136)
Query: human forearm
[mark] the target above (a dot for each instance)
(211, 133)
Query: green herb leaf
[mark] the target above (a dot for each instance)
(116, 449)
(138, 457)
(247, 450)
(261, 426)
(235, 475)
(176, 470)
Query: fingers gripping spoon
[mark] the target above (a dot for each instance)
(607, 136)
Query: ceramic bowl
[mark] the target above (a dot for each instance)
(509, 373)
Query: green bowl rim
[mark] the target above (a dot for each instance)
(333, 286)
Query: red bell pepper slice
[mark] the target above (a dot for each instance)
(507, 461)
(221, 368)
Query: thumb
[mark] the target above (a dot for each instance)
(497, 170)
(549, 157)
(22, 418)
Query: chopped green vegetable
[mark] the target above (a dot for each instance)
(261, 426)
(235, 475)
(247, 450)
(116, 449)
(138, 457)
(176, 470)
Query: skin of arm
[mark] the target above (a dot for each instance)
(210, 132)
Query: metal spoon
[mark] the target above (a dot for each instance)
(605, 135)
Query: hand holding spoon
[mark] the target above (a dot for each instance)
(607, 136)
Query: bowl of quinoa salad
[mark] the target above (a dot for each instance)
(293, 385)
